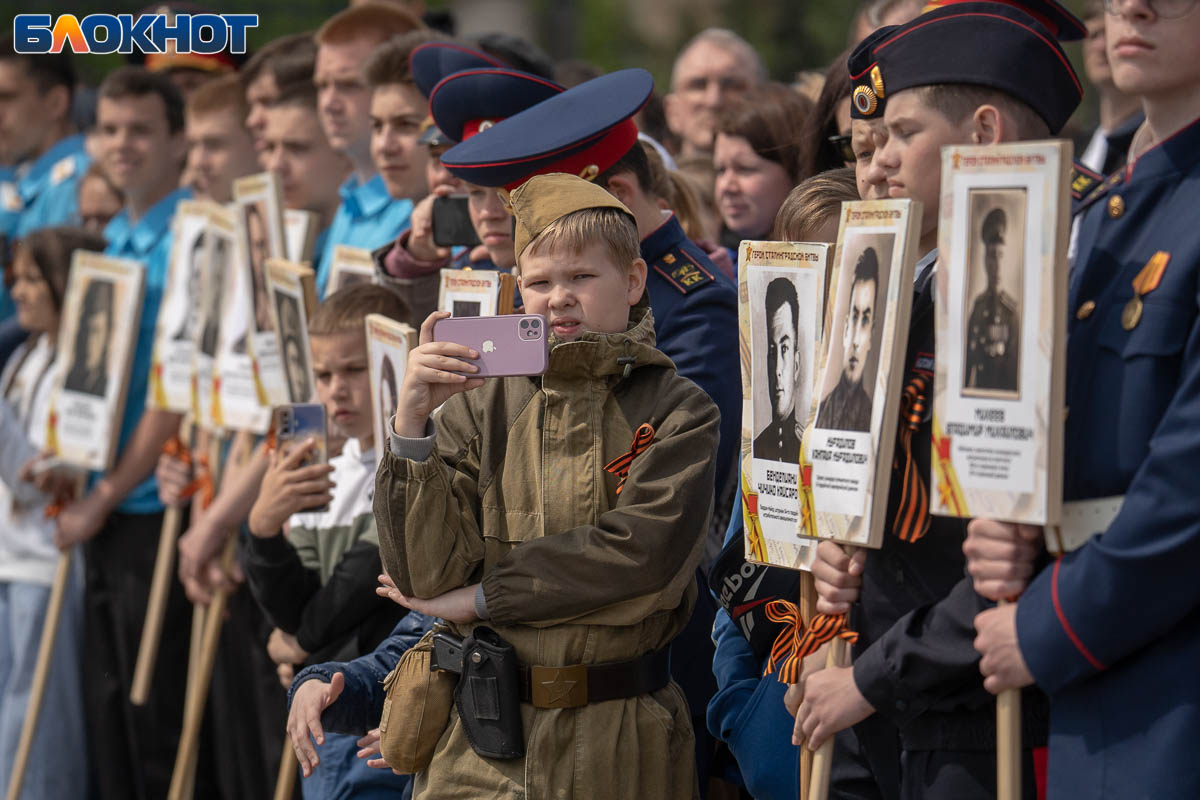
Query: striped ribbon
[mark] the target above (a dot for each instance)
(797, 641)
(619, 466)
(912, 517)
(202, 483)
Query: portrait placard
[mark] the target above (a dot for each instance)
(300, 235)
(170, 386)
(781, 295)
(388, 343)
(1001, 330)
(851, 441)
(259, 217)
(350, 265)
(234, 400)
(293, 299)
(476, 292)
(102, 309)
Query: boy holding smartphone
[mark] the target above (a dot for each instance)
(568, 511)
(316, 584)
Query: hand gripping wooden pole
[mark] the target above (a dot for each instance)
(839, 656)
(41, 673)
(1008, 743)
(289, 767)
(184, 774)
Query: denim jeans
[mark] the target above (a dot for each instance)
(341, 774)
(57, 768)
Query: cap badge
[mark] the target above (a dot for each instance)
(485, 124)
(865, 100)
(877, 80)
(589, 172)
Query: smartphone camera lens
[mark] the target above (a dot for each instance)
(524, 323)
(536, 323)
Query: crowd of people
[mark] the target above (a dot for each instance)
(566, 550)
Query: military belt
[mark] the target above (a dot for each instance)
(579, 684)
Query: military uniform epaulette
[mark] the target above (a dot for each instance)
(1099, 191)
(1083, 181)
(682, 271)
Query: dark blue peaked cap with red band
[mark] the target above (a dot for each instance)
(429, 63)
(582, 131)
(989, 44)
(471, 101)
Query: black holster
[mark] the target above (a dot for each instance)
(488, 696)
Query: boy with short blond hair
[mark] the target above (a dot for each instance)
(568, 511)
(220, 148)
(920, 715)
(316, 585)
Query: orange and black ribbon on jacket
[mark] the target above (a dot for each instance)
(619, 466)
(796, 640)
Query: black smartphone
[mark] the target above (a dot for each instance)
(452, 222)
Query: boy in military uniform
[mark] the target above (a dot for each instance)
(1111, 631)
(569, 513)
(918, 710)
(993, 329)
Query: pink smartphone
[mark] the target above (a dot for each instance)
(510, 344)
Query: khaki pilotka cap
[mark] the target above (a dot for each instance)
(545, 198)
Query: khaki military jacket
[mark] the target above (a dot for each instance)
(516, 495)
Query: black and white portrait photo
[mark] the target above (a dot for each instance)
(88, 373)
(293, 346)
(855, 333)
(992, 352)
(782, 333)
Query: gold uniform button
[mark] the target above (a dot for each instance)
(1085, 310)
(1116, 206)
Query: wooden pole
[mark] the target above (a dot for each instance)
(41, 673)
(808, 610)
(289, 767)
(839, 656)
(156, 607)
(1008, 743)
(183, 777)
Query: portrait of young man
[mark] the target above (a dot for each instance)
(780, 440)
(847, 406)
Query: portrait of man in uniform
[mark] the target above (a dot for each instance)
(194, 268)
(258, 250)
(991, 358)
(785, 371)
(847, 405)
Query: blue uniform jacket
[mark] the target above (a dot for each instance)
(1112, 630)
(50, 189)
(368, 217)
(696, 325)
(148, 240)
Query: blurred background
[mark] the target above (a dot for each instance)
(791, 35)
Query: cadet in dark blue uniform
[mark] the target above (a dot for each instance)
(927, 726)
(1112, 631)
(589, 131)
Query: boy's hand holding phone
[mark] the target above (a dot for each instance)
(436, 372)
(289, 487)
(420, 239)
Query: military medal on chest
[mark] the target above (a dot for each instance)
(1147, 280)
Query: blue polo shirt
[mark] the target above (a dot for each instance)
(10, 215)
(148, 240)
(49, 190)
(368, 218)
